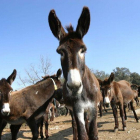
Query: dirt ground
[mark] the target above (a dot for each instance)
(60, 129)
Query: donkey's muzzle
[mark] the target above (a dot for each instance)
(74, 88)
(107, 105)
(5, 111)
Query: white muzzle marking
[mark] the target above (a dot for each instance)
(106, 100)
(5, 109)
(74, 80)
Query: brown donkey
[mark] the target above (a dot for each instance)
(81, 87)
(50, 112)
(136, 93)
(5, 89)
(118, 93)
(30, 103)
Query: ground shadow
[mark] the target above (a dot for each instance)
(100, 124)
(58, 136)
(62, 134)
(20, 135)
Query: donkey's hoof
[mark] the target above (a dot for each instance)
(116, 130)
(47, 137)
(137, 121)
(42, 137)
(124, 129)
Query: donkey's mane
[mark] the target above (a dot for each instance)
(70, 35)
(45, 78)
(69, 28)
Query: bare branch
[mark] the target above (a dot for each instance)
(22, 81)
(35, 71)
(34, 74)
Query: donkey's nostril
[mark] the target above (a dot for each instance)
(74, 88)
(5, 113)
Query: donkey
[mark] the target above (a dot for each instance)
(29, 104)
(81, 88)
(135, 91)
(50, 111)
(5, 89)
(118, 93)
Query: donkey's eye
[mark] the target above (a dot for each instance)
(10, 91)
(61, 53)
(83, 49)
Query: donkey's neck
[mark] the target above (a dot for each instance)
(90, 84)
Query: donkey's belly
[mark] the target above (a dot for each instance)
(17, 121)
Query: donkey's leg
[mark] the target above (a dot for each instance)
(93, 132)
(86, 122)
(67, 111)
(124, 108)
(53, 113)
(122, 116)
(115, 114)
(2, 126)
(33, 126)
(101, 108)
(41, 128)
(133, 109)
(14, 131)
(104, 108)
(46, 125)
(137, 101)
(79, 117)
(129, 107)
(74, 126)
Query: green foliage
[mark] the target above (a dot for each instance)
(122, 74)
(135, 78)
(100, 74)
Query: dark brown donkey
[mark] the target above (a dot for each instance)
(30, 103)
(118, 93)
(5, 89)
(81, 87)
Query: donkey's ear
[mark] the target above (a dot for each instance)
(83, 22)
(12, 77)
(100, 81)
(111, 78)
(59, 72)
(55, 25)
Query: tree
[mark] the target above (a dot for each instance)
(135, 78)
(35, 73)
(100, 74)
(122, 74)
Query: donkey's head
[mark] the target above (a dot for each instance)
(71, 48)
(5, 89)
(106, 88)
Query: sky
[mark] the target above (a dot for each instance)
(113, 38)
